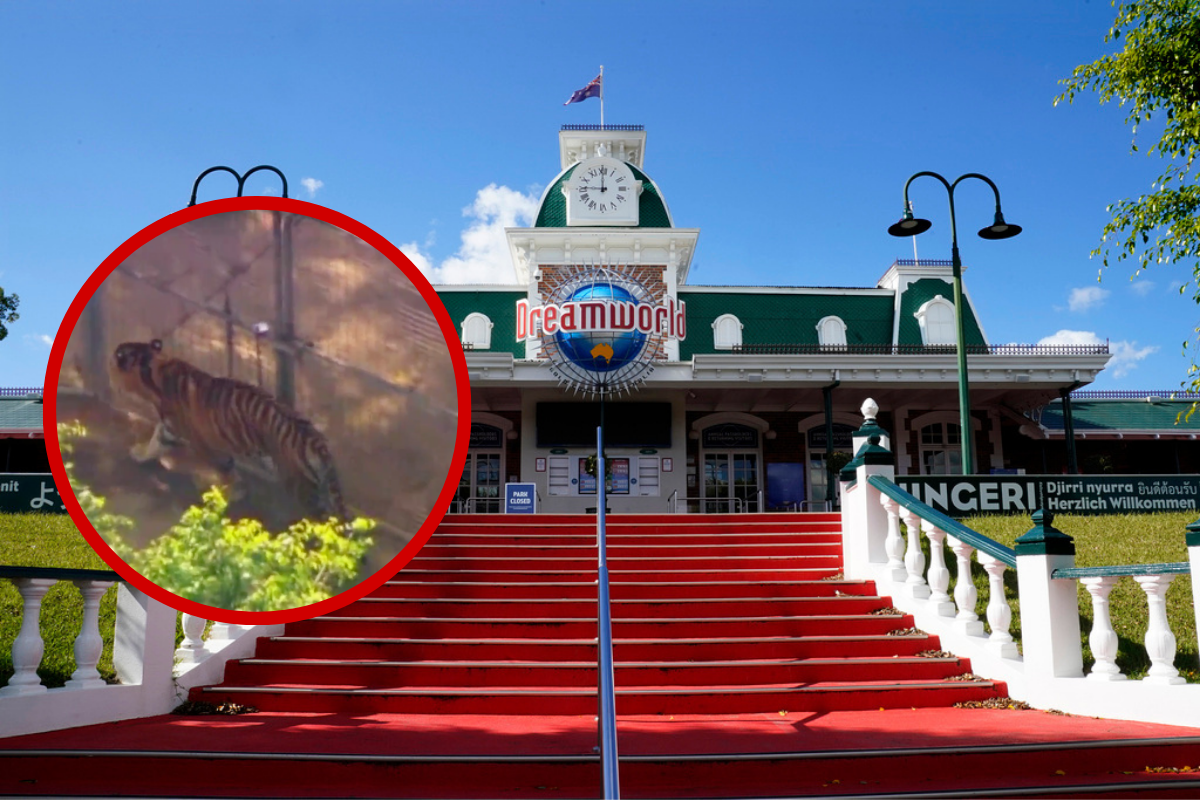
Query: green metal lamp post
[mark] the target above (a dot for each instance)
(908, 226)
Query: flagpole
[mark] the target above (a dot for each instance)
(601, 97)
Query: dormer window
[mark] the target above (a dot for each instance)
(727, 332)
(831, 332)
(477, 332)
(936, 319)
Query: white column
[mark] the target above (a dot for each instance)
(939, 576)
(894, 543)
(28, 647)
(1103, 639)
(1194, 559)
(914, 557)
(999, 614)
(966, 621)
(191, 650)
(1050, 629)
(89, 644)
(1160, 642)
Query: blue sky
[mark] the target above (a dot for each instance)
(784, 131)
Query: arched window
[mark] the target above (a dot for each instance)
(727, 332)
(831, 331)
(936, 319)
(477, 331)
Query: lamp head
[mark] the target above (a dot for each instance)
(908, 226)
(1000, 229)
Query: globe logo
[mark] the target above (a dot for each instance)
(601, 351)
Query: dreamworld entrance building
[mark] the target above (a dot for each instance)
(732, 398)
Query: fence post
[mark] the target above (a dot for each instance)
(1193, 546)
(1050, 629)
(144, 644)
(864, 518)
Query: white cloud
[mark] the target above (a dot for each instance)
(1086, 298)
(482, 256)
(312, 186)
(1125, 355)
(40, 339)
(1142, 287)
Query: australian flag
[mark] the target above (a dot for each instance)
(591, 90)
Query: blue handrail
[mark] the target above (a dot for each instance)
(608, 702)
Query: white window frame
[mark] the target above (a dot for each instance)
(927, 332)
(727, 332)
(477, 331)
(831, 331)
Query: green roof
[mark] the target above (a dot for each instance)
(21, 413)
(652, 211)
(499, 306)
(777, 318)
(1123, 415)
(921, 292)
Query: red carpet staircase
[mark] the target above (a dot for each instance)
(745, 666)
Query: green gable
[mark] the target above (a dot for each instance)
(499, 306)
(652, 211)
(778, 318)
(921, 292)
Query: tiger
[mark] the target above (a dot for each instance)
(222, 419)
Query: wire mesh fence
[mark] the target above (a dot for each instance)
(309, 313)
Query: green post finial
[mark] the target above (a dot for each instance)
(1043, 539)
(1193, 534)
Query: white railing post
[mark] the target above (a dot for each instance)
(894, 544)
(1103, 639)
(28, 647)
(914, 557)
(966, 621)
(89, 644)
(999, 614)
(1050, 629)
(191, 649)
(939, 576)
(144, 641)
(864, 519)
(1160, 642)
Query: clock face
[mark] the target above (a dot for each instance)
(602, 191)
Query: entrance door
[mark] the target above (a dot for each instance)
(479, 487)
(730, 483)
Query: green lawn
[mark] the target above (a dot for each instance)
(1103, 541)
(51, 540)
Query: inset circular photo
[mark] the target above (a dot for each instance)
(257, 410)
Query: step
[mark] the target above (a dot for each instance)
(584, 649)
(516, 700)
(264, 672)
(449, 550)
(619, 590)
(673, 607)
(415, 574)
(579, 627)
(532, 537)
(710, 564)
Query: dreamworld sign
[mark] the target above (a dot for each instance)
(602, 314)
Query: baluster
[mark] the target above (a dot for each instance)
(191, 651)
(966, 621)
(1160, 642)
(27, 649)
(894, 544)
(999, 615)
(89, 644)
(939, 575)
(914, 558)
(1103, 638)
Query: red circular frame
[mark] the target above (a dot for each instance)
(257, 203)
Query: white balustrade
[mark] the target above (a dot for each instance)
(191, 649)
(894, 543)
(966, 621)
(28, 648)
(999, 615)
(1103, 639)
(939, 576)
(89, 644)
(1160, 642)
(914, 557)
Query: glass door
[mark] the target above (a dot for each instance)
(479, 488)
(730, 483)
